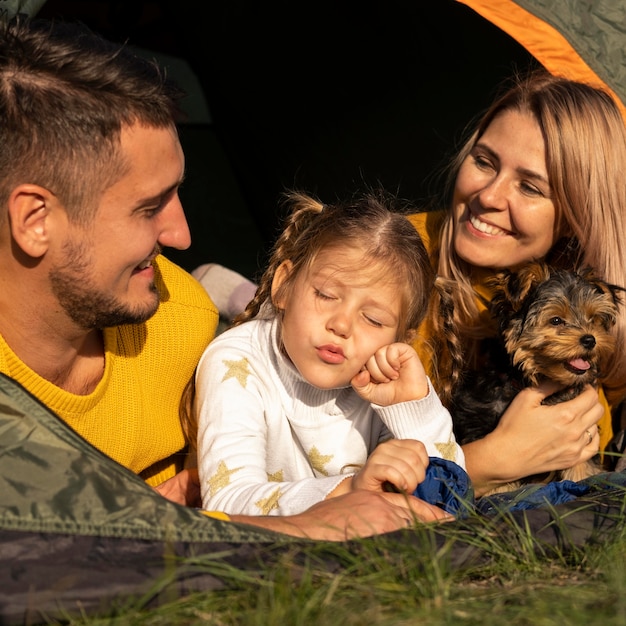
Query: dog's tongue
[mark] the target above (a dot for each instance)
(580, 364)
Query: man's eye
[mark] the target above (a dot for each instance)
(151, 211)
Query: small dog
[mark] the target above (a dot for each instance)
(553, 324)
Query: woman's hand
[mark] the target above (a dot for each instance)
(393, 374)
(532, 438)
(401, 462)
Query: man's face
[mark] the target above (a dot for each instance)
(102, 273)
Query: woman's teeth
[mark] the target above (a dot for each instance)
(485, 228)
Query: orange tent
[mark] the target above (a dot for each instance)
(580, 40)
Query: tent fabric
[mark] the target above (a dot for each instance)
(53, 480)
(582, 40)
(80, 534)
(52, 576)
(78, 530)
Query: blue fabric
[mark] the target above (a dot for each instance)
(446, 485)
(532, 497)
(538, 495)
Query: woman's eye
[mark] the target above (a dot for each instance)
(530, 190)
(482, 162)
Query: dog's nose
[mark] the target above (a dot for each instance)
(588, 341)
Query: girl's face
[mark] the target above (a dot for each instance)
(503, 212)
(337, 315)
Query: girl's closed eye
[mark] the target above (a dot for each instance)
(373, 321)
(322, 296)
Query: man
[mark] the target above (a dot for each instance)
(94, 321)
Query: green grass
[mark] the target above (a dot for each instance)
(485, 572)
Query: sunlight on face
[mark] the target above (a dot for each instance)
(337, 314)
(102, 273)
(504, 215)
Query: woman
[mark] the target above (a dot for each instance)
(541, 177)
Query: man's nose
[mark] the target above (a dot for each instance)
(174, 230)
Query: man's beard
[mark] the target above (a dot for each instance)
(86, 305)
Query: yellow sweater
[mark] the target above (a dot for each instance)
(427, 225)
(132, 415)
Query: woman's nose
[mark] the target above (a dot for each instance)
(494, 195)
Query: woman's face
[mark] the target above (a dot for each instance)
(503, 212)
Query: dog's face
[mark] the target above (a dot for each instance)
(555, 323)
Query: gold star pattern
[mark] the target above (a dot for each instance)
(237, 369)
(269, 504)
(221, 478)
(276, 477)
(447, 450)
(318, 461)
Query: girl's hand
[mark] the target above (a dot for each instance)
(401, 462)
(393, 374)
(532, 438)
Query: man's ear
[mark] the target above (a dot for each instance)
(280, 276)
(29, 210)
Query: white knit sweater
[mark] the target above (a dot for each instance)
(269, 443)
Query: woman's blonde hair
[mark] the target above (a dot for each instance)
(585, 148)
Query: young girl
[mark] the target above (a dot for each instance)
(316, 391)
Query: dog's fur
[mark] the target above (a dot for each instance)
(553, 324)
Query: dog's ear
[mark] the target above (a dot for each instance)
(525, 280)
(614, 291)
(586, 273)
(511, 288)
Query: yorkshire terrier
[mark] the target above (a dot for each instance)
(553, 324)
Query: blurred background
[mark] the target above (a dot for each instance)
(325, 97)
